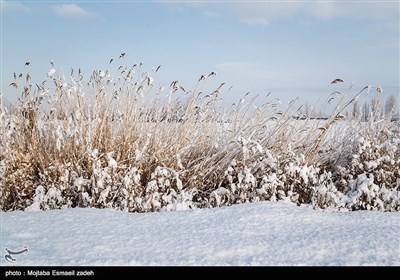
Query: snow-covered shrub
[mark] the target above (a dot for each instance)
(127, 195)
(363, 193)
(327, 196)
(165, 191)
(379, 158)
(240, 186)
(369, 171)
(125, 143)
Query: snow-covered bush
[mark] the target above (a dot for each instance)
(128, 144)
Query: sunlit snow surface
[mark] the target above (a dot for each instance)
(262, 233)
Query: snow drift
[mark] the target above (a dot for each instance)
(262, 233)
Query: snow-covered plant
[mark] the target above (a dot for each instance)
(120, 140)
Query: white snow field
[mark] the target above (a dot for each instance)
(262, 233)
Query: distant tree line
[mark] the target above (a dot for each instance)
(376, 108)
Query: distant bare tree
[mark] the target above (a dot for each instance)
(377, 108)
(392, 106)
(356, 109)
(365, 112)
(309, 111)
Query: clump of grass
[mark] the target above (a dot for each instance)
(124, 143)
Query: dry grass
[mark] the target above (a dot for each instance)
(115, 133)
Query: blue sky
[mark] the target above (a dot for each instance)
(292, 48)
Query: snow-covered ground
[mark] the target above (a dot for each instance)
(262, 233)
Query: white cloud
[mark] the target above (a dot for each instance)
(319, 10)
(73, 11)
(323, 10)
(263, 12)
(354, 9)
(16, 6)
